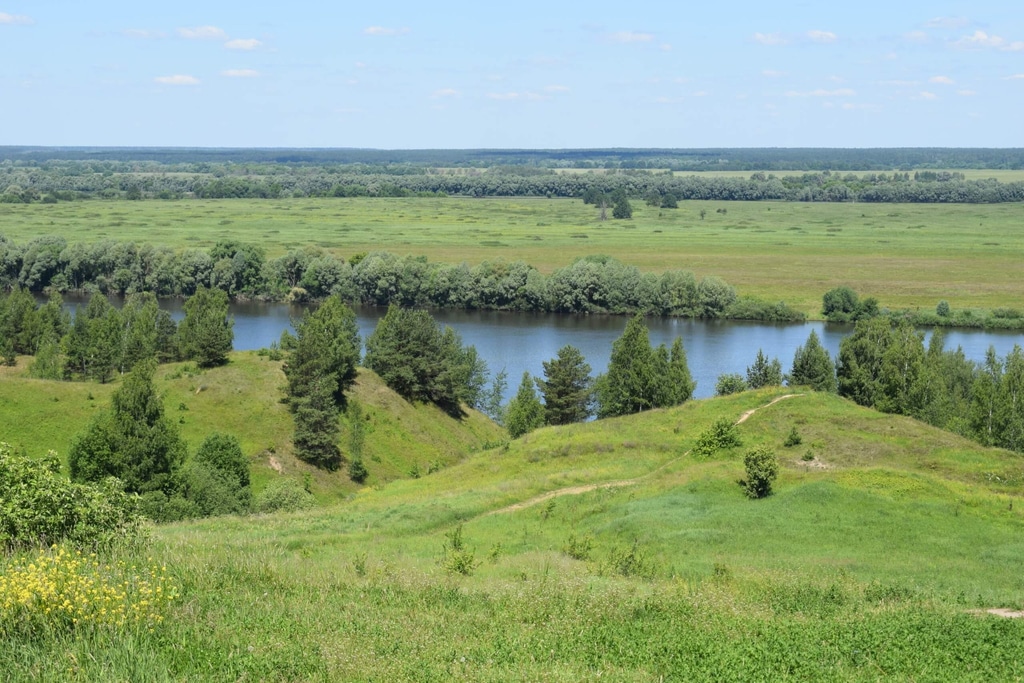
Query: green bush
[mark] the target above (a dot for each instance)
(730, 383)
(283, 495)
(456, 558)
(721, 435)
(762, 468)
(40, 507)
(793, 439)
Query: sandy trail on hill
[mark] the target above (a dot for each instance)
(586, 488)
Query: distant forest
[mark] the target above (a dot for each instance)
(51, 174)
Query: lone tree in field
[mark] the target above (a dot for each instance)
(524, 412)
(812, 366)
(205, 334)
(762, 468)
(764, 373)
(133, 441)
(567, 388)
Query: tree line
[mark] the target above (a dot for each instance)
(57, 183)
(592, 284)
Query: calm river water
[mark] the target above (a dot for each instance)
(521, 342)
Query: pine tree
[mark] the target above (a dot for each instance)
(679, 380)
(631, 384)
(812, 366)
(566, 388)
(525, 412)
(133, 441)
(316, 425)
(327, 347)
(205, 334)
(764, 373)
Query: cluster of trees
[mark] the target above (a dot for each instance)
(103, 340)
(594, 284)
(842, 305)
(135, 443)
(639, 378)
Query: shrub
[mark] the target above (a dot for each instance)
(283, 495)
(793, 439)
(722, 434)
(456, 558)
(40, 507)
(730, 383)
(762, 467)
(942, 310)
(578, 548)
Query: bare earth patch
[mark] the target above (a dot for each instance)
(1001, 612)
(746, 415)
(275, 465)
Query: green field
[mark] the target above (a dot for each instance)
(874, 560)
(906, 255)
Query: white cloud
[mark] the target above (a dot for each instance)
(360, 65)
(15, 19)
(243, 44)
(966, 93)
(385, 31)
(202, 33)
(770, 39)
(700, 93)
(916, 37)
(820, 92)
(556, 88)
(925, 95)
(445, 92)
(1014, 77)
(980, 40)
(240, 73)
(772, 73)
(177, 79)
(947, 22)
(517, 96)
(666, 47)
(822, 36)
(143, 34)
(630, 37)
(899, 84)
(941, 80)
(851, 106)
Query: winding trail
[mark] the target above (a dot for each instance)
(586, 488)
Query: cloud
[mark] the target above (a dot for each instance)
(947, 22)
(556, 88)
(630, 37)
(899, 84)
(385, 31)
(770, 39)
(981, 40)
(966, 93)
(852, 106)
(1014, 77)
(772, 73)
(243, 44)
(941, 80)
(516, 96)
(202, 33)
(820, 92)
(666, 47)
(822, 36)
(925, 95)
(445, 92)
(240, 73)
(177, 79)
(15, 19)
(916, 37)
(143, 34)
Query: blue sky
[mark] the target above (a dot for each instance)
(527, 74)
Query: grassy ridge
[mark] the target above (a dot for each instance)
(243, 398)
(865, 564)
(966, 254)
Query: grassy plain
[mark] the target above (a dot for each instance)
(905, 255)
(242, 398)
(869, 562)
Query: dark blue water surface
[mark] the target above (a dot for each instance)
(521, 342)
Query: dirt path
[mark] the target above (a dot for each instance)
(744, 416)
(586, 488)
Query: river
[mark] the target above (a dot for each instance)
(518, 342)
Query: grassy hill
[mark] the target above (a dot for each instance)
(243, 398)
(609, 550)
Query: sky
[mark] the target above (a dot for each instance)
(528, 74)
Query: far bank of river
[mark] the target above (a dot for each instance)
(521, 342)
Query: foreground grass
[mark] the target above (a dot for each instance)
(868, 562)
(906, 255)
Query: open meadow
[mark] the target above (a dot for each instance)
(905, 255)
(607, 550)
